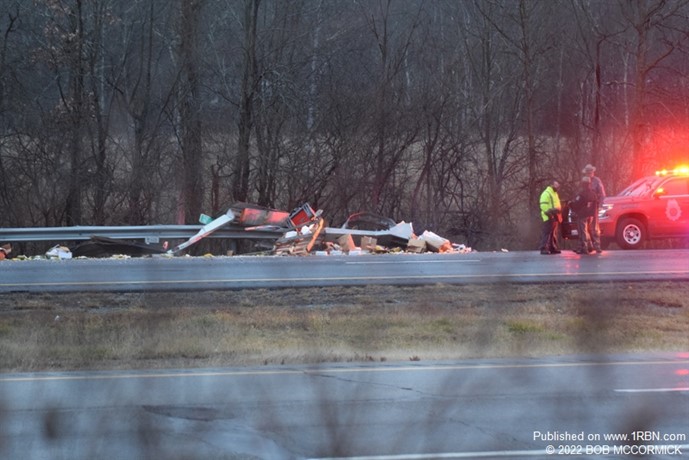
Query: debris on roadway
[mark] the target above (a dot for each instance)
(5, 250)
(305, 233)
(59, 252)
(299, 233)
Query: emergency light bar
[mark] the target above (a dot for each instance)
(679, 171)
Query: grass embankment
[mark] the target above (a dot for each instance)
(379, 323)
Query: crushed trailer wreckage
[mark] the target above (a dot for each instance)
(304, 232)
(300, 232)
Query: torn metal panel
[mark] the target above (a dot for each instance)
(302, 215)
(368, 221)
(397, 236)
(205, 231)
(253, 217)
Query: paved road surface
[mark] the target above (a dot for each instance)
(249, 272)
(471, 409)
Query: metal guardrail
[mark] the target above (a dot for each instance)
(147, 233)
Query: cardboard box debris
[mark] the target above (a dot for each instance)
(434, 242)
(346, 243)
(369, 243)
(416, 245)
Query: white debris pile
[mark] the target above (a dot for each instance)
(59, 252)
(340, 241)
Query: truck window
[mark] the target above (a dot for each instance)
(675, 187)
(641, 187)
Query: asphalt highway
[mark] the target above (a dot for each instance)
(196, 273)
(473, 409)
(586, 406)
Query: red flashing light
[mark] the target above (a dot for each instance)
(678, 171)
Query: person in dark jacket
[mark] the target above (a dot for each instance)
(599, 190)
(584, 208)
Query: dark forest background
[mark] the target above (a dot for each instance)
(452, 115)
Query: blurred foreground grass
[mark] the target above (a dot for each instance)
(314, 325)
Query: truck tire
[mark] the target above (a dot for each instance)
(631, 233)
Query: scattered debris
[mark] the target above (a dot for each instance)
(299, 242)
(59, 252)
(303, 215)
(205, 231)
(304, 232)
(369, 243)
(416, 245)
(368, 221)
(366, 233)
(100, 246)
(300, 232)
(258, 216)
(436, 243)
(5, 250)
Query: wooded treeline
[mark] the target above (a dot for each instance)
(450, 114)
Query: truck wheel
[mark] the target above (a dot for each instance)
(631, 233)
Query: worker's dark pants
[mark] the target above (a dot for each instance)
(584, 227)
(595, 231)
(549, 236)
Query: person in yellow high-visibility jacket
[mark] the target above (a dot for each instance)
(551, 214)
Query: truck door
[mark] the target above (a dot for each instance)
(670, 208)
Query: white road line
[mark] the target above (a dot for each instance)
(651, 390)
(491, 454)
(20, 377)
(437, 277)
(398, 262)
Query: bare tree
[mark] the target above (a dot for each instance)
(655, 38)
(191, 142)
(392, 133)
(8, 29)
(449, 113)
(66, 28)
(249, 83)
(497, 103)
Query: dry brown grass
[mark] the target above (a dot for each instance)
(378, 323)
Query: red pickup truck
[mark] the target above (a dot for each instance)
(652, 208)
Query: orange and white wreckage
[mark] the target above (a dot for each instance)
(300, 232)
(303, 232)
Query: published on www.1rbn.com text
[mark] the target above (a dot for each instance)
(634, 443)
